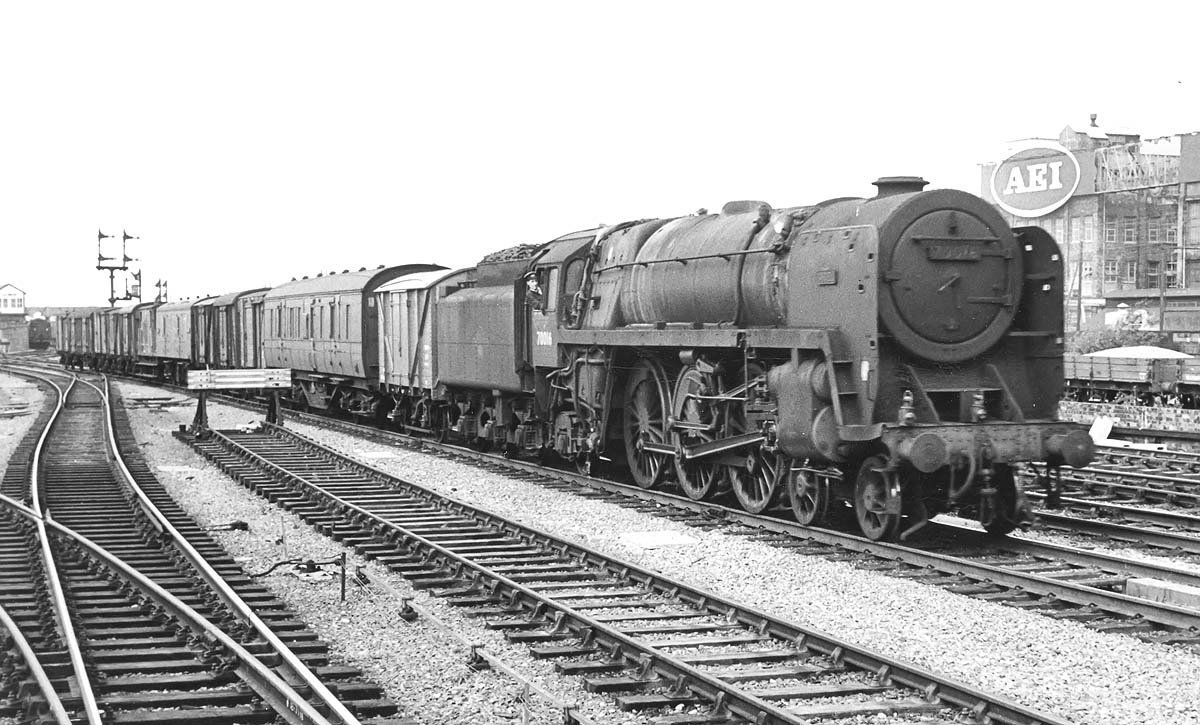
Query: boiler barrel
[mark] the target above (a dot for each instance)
(691, 271)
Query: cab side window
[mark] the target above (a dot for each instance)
(572, 283)
(541, 289)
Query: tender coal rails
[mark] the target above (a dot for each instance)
(895, 356)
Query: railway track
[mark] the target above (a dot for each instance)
(1062, 582)
(657, 644)
(1059, 581)
(132, 612)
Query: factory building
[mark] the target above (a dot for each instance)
(1126, 213)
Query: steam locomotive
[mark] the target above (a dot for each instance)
(888, 358)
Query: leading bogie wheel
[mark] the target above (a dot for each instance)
(877, 500)
(808, 496)
(645, 420)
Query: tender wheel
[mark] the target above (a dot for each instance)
(1008, 509)
(698, 478)
(877, 502)
(757, 484)
(808, 496)
(443, 419)
(645, 419)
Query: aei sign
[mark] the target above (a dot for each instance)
(1037, 178)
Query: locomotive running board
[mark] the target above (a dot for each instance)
(705, 449)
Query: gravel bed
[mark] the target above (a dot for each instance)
(16, 391)
(1057, 666)
(421, 669)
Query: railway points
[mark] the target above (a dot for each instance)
(150, 630)
(504, 492)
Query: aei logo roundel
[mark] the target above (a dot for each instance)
(1037, 178)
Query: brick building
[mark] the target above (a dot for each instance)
(1129, 229)
(14, 328)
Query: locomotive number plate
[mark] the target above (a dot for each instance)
(957, 252)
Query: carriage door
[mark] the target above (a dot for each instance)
(542, 294)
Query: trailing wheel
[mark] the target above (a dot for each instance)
(877, 501)
(645, 420)
(809, 497)
(698, 477)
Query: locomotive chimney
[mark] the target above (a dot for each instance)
(891, 185)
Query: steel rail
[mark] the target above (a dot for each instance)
(1121, 511)
(291, 664)
(1103, 478)
(58, 597)
(1166, 455)
(1134, 535)
(705, 685)
(52, 703)
(1085, 557)
(274, 690)
(932, 685)
(1122, 604)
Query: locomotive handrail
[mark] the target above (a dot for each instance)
(774, 249)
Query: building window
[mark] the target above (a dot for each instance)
(1129, 272)
(1110, 231)
(1172, 234)
(1110, 271)
(1171, 273)
(1152, 232)
(1192, 222)
(1129, 230)
(1089, 228)
(1152, 274)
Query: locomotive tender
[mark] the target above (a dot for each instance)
(896, 356)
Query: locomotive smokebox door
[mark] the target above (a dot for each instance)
(953, 276)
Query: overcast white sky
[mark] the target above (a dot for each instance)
(250, 142)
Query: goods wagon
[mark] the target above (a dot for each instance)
(408, 322)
